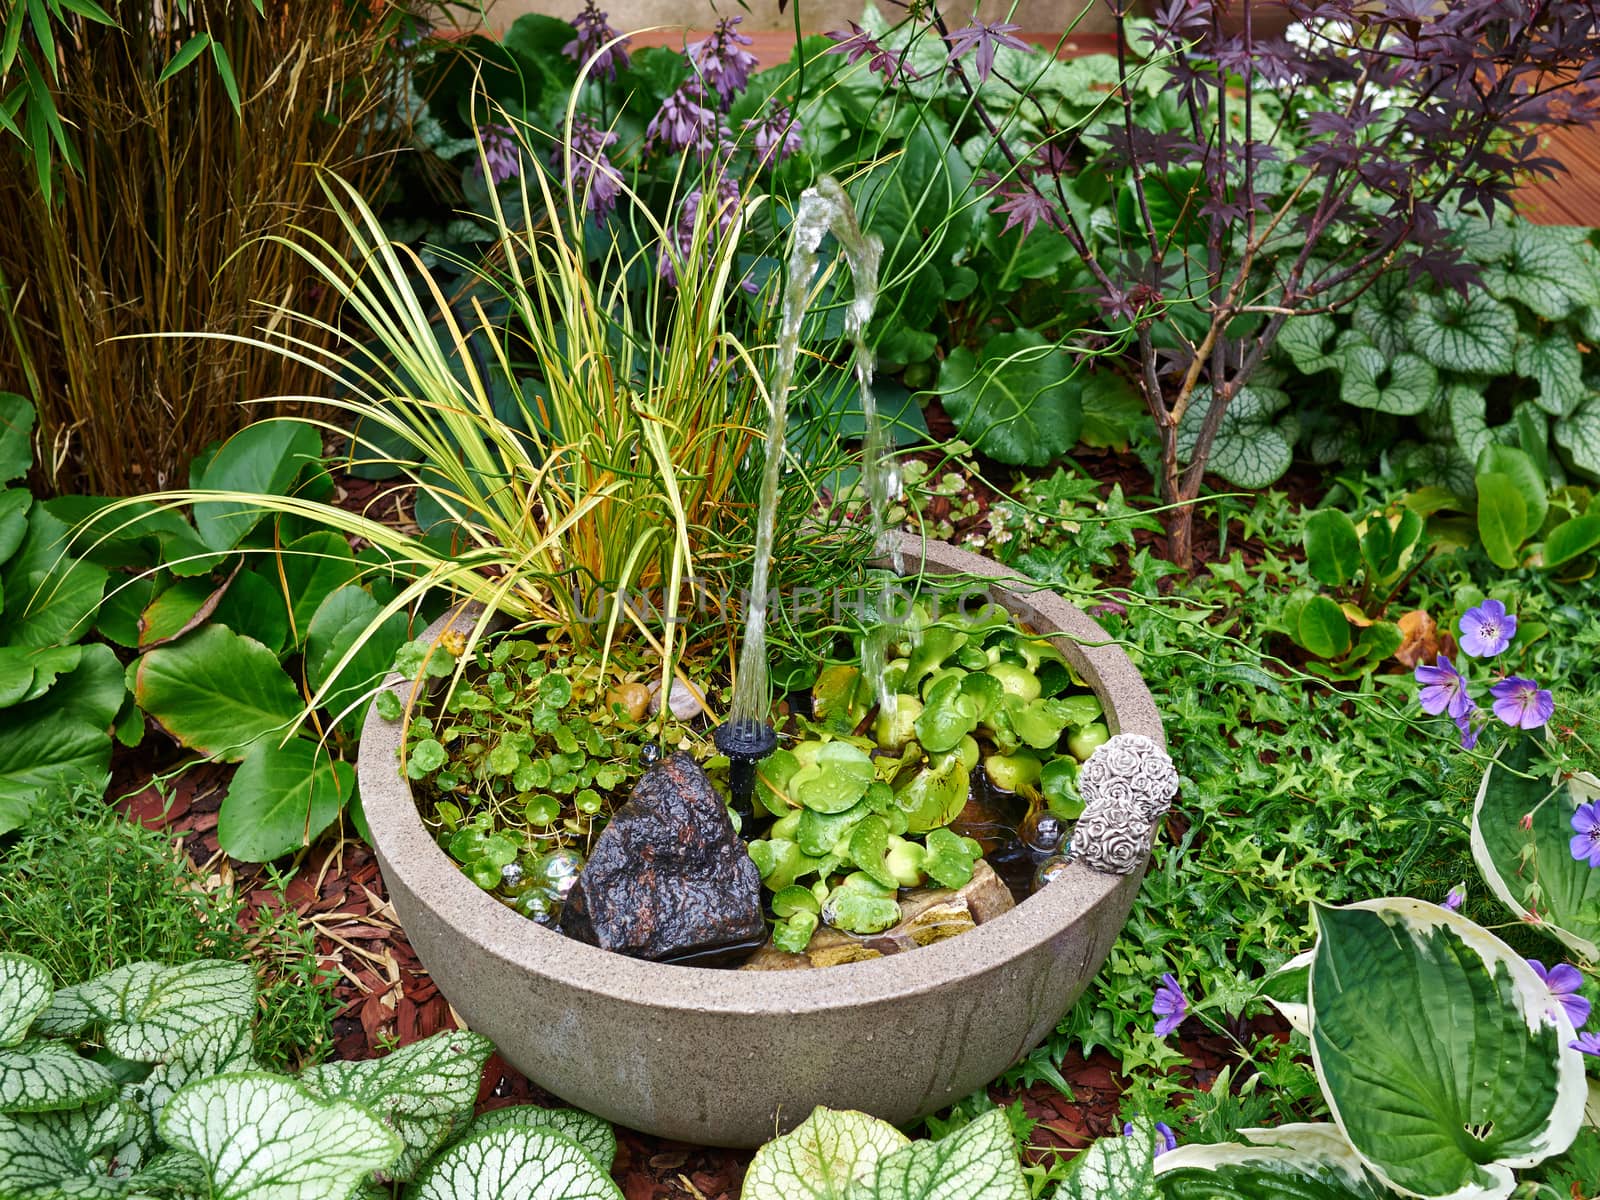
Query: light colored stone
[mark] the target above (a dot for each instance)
(682, 700)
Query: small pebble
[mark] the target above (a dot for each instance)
(681, 701)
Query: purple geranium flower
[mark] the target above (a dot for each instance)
(1169, 1140)
(592, 172)
(776, 137)
(859, 42)
(682, 122)
(1587, 1043)
(1564, 980)
(591, 43)
(500, 152)
(1443, 688)
(723, 61)
(1170, 1004)
(1456, 898)
(1522, 703)
(1585, 842)
(1487, 629)
(985, 38)
(1469, 726)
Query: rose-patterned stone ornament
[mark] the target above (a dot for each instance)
(1112, 837)
(1132, 769)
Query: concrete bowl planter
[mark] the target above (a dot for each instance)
(729, 1058)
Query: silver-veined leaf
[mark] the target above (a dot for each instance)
(1119, 1167)
(214, 1048)
(823, 1158)
(1443, 1057)
(63, 1156)
(263, 1137)
(24, 994)
(144, 1008)
(1403, 384)
(1567, 903)
(1254, 444)
(594, 1134)
(36, 1076)
(978, 1162)
(1578, 433)
(424, 1092)
(528, 1163)
(1474, 334)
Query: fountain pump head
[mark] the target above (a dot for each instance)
(745, 743)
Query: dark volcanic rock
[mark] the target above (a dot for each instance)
(668, 878)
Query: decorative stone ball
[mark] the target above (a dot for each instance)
(1112, 837)
(1049, 870)
(1131, 769)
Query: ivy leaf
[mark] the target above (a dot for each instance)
(1017, 401)
(424, 1092)
(263, 1137)
(593, 1134)
(1404, 384)
(976, 1161)
(1253, 447)
(24, 993)
(1535, 271)
(1475, 334)
(823, 1159)
(1555, 364)
(1579, 435)
(529, 1163)
(144, 1008)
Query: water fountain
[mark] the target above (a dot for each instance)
(747, 736)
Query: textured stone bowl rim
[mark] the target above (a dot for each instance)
(406, 847)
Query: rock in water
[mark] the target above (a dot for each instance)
(668, 879)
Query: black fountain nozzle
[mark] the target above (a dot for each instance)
(745, 743)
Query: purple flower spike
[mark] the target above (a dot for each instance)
(682, 121)
(1564, 980)
(1456, 898)
(1585, 842)
(500, 152)
(723, 61)
(1170, 1004)
(1443, 689)
(776, 137)
(1167, 1139)
(593, 175)
(1522, 703)
(985, 39)
(591, 43)
(1487, 629)
(1587, 1043)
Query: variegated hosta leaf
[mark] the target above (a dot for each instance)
(975, 1163)
(48, 1156)
(24, 994)
(424, 1092)
(592, 1133)
(1443, 1057)
(1510, 857)
(38, 1076)
(1119, 1167)
(1307, 1162)
(213, 1049)
(1286, 989)
(530, 1164)
(823, 1158)
(145, 1008)
(263, 1137)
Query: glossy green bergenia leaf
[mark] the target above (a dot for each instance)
(281, 798)
(16, 444)
(1567, 902)
(25, 991)
(1443, 1057)
(530, 1163)
(424, 1091)
(1305, 1161)
(264, 1137)
(217, 692)
(261, 459)
(593, 1134)
(824, 1158)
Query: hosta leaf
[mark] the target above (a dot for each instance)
(1578, 434)
(1555, 364)
(1307, 1162)
(1568, 899)
(215, 1048)
(1474, 334)
(217, 692)
(1119, 1167)
(1017, 402)
(1403, 384)
(145, 1009)
(281, 798)
(977, 1161)
(1537, 271)
(1306, 339)
(1288, 988)
(1443, 1057)
(594, 1134)
(530, 1164)
(823, 1159)
(424, 1092)
(263, 1137)
(24, 993)
(1253, 447)
(37, 1076)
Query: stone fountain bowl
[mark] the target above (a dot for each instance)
(730, 1058)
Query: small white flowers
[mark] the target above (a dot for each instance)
(1126, 784)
